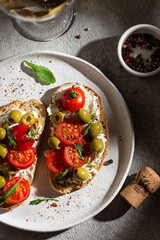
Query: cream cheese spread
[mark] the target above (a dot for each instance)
(29, 172)
(91, 105)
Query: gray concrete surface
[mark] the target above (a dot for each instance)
(107, 20)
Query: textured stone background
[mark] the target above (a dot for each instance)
(107, 20)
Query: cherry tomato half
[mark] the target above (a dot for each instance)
(72, 104)
(69, 131)
(21, 159)
(22, 190)
(21, 137)
(55, 161)
(71, 156)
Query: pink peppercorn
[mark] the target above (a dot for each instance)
(127, 60)
(78, 36)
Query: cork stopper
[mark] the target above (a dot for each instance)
(146, 182)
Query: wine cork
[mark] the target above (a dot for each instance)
(146, 182)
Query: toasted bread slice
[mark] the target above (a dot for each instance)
(29, 106)
(92, 102)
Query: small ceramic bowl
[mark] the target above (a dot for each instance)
(140, 28)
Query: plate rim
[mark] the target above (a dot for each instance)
(95, 212)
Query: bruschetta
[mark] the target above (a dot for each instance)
(21, 128)
(78, 137)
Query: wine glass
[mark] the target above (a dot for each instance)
(40, 20)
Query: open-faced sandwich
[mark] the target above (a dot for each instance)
(78, 137)
(21, 127)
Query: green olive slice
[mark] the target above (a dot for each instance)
(96, 145)
(95, 129)
(58, 117)
(15, 116)
(2, 133)
(2, 182)
(7, 170)
(54, 142)
(28, 119)
(81, 173)
(83, 115)
(3, 151)
(10, 174)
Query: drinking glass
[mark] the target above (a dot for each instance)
(35, 21)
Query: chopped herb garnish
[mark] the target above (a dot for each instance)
(9, 192)
(37, 201)
(61, 175)
(10, 137)
(89, 125)
(43, 73)
(79, 149)
(32, 134)
(72, 94)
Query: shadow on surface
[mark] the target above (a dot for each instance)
(118, 207)
(146, 218)
(128, 13)
(41, 177)
(47, 96)
(141, 95)
(25, 235)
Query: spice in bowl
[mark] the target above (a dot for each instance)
(141, 52)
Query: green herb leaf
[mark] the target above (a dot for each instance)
(37, 201)
(32, 134)
(61, 175)
(89, 125)
(10, 137)
(85, 160)
(43, 73)
(9, 192)
(78, 147)
(72, 94)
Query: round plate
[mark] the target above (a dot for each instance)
(19, 82)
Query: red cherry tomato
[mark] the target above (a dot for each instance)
(72, 104)
(55, 161)
(71, 156)
(69, 131)
(21, 159)
(22, 190)
(21, 137)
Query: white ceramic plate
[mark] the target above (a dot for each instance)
(18, 82)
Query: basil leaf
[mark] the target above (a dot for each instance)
(37, 201)
(78, 147)
(9, 192)
(85, 160)
(43, 73)
(61, 175)
(87, 128)
(89, 125)
(10, 137)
